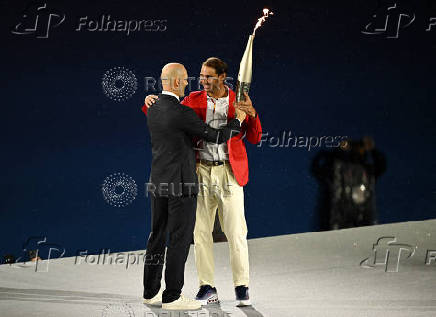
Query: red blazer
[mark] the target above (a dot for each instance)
(251, 128)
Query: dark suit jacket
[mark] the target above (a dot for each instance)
(172, 127)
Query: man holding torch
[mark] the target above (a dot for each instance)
(222, 171)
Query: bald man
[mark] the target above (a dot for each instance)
(173, 187)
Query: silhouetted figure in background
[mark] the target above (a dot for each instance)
(347, 177)
(8, 259)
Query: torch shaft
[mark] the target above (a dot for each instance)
(245, 71)
(240, 88)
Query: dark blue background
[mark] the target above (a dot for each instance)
(315, 74)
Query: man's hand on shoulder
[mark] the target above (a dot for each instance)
(150, 100)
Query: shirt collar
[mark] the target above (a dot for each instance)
(225, 97)
(169, 93)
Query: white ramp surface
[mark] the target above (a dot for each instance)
(384, 270)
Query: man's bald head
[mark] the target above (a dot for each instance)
(174, 78)
(172, 70)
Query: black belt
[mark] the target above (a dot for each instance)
(212, 163)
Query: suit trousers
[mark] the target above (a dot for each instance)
(172, 217)
(220, 190)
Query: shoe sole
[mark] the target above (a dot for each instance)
(211, 300)
(246, 302)
(180, 307)
(157, 303)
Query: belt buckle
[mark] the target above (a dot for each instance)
(216, 163)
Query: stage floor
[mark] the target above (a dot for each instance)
(384, 270)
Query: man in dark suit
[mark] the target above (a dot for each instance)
(173, 187)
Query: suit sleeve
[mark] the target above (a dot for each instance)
(190, 123)
(144, 109)
(253, 129)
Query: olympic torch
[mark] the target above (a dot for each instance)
(246, 65)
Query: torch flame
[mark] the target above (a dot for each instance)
(266, 13)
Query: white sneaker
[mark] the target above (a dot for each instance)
(154, 301)
(182, 303)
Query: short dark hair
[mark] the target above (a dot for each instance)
(217, 64)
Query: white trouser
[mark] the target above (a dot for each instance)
(219, 190)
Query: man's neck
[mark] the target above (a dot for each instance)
(169, 92)
(219, 93)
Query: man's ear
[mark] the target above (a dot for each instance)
(177, 83)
